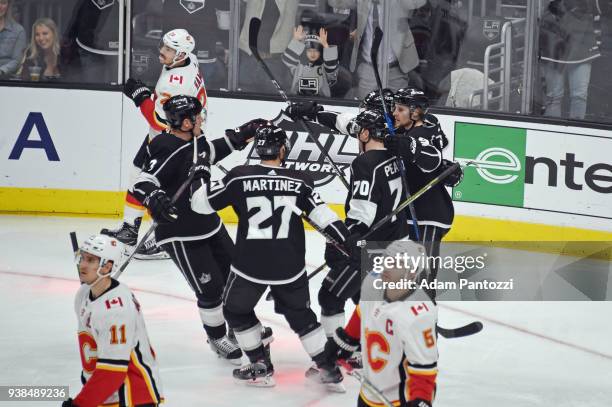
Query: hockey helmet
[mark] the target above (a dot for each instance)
(372, 100)
(179, 40)
(412, 98)
(106, 248)
(268, 141)
(181, 107)
(374, 121)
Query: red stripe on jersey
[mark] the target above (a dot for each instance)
(131, 199)
(353, 328)
(421, 386)
(100, 386)
(104, 382)
(147, 108)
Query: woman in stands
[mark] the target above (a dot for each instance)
(41, 60)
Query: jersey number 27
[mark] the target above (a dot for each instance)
(261, 222)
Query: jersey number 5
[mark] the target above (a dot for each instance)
(260, 223)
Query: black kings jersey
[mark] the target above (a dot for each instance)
(376, 190)
(434, 207)
(270, 247)
(170, 159)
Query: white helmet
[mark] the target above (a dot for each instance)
(180, 41)
(106, 248)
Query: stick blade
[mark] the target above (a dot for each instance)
(467, 330)
(378, 34)
(254, 26)
(74, 242)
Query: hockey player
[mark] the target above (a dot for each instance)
(119, 364)
(434, 210)
(269, 200)
(198, 244)
(180, 75)
(396, 327)
(376, 190)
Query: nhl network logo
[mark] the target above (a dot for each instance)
(306, 156)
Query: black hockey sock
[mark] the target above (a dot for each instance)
(215, 332)
(256, 354)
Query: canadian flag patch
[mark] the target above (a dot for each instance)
(178, 78)
(419, 308)
(113, 303)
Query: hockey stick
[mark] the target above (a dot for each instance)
(378, 34)
(254, 26)
(74, 242)
(75, 247)
(466, 330)
(364, 382)
(154, 225)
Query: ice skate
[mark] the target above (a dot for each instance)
(258, 374)
(226, 349)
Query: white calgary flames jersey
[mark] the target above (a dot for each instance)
(400, 354)
(113, 340)
(181, 80)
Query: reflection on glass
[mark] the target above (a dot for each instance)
(570, 35)
(90, 44)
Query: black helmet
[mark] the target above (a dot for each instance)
(372, 100)
(268, 141)
(411, 97)
(181, 107)
(374, 121)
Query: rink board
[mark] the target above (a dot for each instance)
(69, 152)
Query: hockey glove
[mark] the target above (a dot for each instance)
(353, 247)
(136, 90)
(241, 136)
(334, 258)
(68, 403)
(341, 345)
(406, 147)
(200, 174)
(201, 170)
(161, 207)
(455, 177)
(419, 403)
(303, 111)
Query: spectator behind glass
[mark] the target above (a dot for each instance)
(568, 45)
(12, 41)
(318, 73)
(41, 60)
(403, 57)
(277, 23)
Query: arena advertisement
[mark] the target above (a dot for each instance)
(543, 174)
(534, 169)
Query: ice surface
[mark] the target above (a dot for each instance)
(529, 354)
